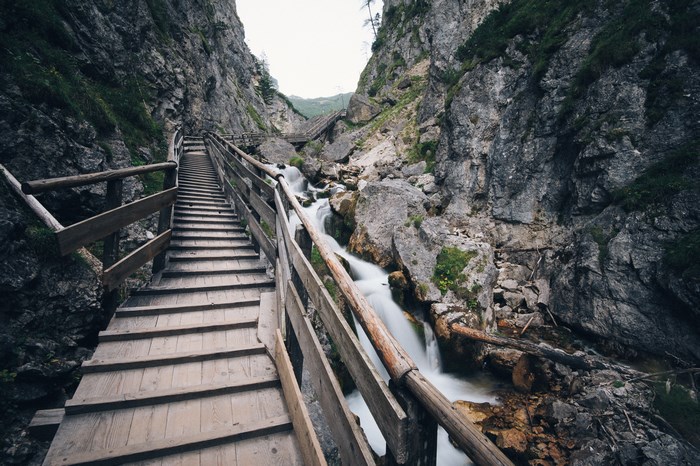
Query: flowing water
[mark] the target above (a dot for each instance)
(373, 282)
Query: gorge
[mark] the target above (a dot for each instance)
(526, 168)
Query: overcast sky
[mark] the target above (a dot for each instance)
(315, 48)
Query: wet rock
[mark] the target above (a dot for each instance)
(512, 441)
(398, 280)
(599, 400)
(392, 201)
(277, 150)
(530, 374)
(503, 360)
(560, 412)
(475, 412)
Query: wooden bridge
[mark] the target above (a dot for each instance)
(310, 130)
(203, 366)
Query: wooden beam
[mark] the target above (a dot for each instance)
(140, 311)
(48, 219)
(395, 359)
(117, 273)
(390, 416)
(265, 283)
(475, 444)
(118, 364)
(263, 209)
(347, 434)
(99, 226)
(159, 448)
(308, 441)
(171, 395)
(40, 186)
(141, 333)
(45, 423)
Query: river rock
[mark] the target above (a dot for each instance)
(392, 202)
(277, 150)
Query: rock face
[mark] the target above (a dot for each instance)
(85, 87)
(567, 165)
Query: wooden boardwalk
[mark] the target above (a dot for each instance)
(183, 373)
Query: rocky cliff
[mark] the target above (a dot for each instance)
(84, 87)
(532, 166)
(563, 137)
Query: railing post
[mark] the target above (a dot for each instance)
(110, 249)
(421, 441)
(301, 236)
(165, 218)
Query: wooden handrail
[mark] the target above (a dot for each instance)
(40, 186)
(401, 368)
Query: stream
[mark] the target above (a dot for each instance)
(373, 282)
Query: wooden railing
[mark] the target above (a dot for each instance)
(108, 224)
(409, 409)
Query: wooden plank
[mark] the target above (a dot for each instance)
(45, 422)
(262, 283)
(117, 273)
(155, 310)
(266, 244)
(135, 334)
(347, 434)
(475, 444)
(263, 209)
(153, 397)
(118, 364)
(99, 226)
(308, 442)
(40, 186)
(159, 448)
(268, 322)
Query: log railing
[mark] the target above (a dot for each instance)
(108, 224)
(410, 407)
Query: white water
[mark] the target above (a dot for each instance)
(373, 282)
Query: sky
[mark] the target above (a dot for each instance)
(314, 48)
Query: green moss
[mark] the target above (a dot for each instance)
(296, 162)
(424, 151)
(43, 242)
(661, 180)
(159, 13)
(541, 23)
(602, 239)
(447, 274)
(680, 410)
(415, 220)
(255, 116)
(683, 255)
(267, 229)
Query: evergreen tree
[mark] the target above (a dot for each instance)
(266, 85)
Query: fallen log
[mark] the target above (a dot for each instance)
(541, 350)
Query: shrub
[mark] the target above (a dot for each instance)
(296, 162)
(683, 255)
(447, 274)
(661, 180)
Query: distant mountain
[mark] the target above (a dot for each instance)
(320, 105)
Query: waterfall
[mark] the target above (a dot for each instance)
(373, 282)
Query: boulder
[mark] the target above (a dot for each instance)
(340, 149)
(382, 207)
(277, 150)
(361, 110)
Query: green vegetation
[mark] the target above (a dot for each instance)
(602, 239)
(320, 105)
(661, 180)
(424, 151)
(159, 13)
(448, 269)
(416, 220)
(42, 240)
(267, 229)
(397, 18)
(40, 53)
(541, 23)
(683, 255)
(313, 148)
(296, 162)
(266, 85)
(679, 409)
(255, 116)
